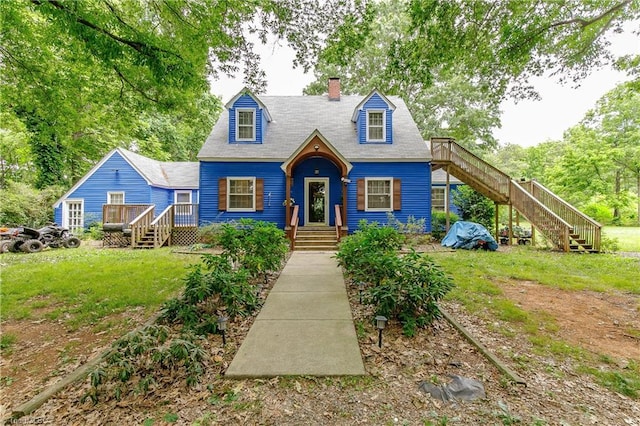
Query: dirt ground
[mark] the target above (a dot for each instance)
(557, 392)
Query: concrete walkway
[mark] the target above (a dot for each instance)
(305, 326)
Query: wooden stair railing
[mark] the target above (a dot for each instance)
(471, 169)
(564, 225)
(161, 227)
(140, 225)
(338, 222)
(540, 216)
(294, 226)
(585, 233)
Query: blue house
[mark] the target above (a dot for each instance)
(292, 159)
(305, 163)
(123, 185)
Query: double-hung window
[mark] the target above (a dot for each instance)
(379, 195)
(182, 197)
(115, 197)
(438, 199)
(376, 126)
(245, 125)
(241, 194)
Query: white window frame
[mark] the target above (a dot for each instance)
(183, 211)
(66, 220)
(242, 209)
(444, 193)
(110, 194)
(384, 125)
(253, 124)
(366, 194)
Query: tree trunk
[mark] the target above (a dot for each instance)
(616, 208)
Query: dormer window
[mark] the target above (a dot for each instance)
(246, 124)
(376, 126)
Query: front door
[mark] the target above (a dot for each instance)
(316, 201)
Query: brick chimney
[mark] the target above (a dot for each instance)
(334, 89)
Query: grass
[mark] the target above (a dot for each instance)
(478, 273)
(84, 285)
(628, 237)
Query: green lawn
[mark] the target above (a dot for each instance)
(86, 284)
(628, 237)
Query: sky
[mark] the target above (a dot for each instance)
(525, 123)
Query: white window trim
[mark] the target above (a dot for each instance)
(175, 201)
(65, 214)
(366, 195)
(112, 193)
(444, 191)
(384, 125)
(235, 209)
(238, 111)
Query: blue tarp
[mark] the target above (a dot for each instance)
(469, 235)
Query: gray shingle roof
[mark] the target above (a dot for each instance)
(440, 177)
(294, 118)
(164, 174)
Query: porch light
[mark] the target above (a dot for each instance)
(316, 147)
(381, 322)
(222, 326)
(316, 172)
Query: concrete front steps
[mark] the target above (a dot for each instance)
(316, 238)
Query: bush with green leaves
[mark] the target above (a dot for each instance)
(473, 206)
(406, 288)
(413, 226)
(258, 246)
(412, 293)
(439, 223)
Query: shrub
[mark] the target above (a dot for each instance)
(210, 234)
(412, 292)
(474, 207)
(439, 223)
(406, 288)
(413, 226)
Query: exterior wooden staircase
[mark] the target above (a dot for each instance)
(316, 238)
(565, 226)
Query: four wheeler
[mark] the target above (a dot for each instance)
(31, 240)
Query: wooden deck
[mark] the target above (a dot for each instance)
(138, 226)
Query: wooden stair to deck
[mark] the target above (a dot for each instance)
(316, 238)
(566, 227)
(147, 241)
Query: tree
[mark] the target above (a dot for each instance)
(449, 104)
(86, 76)
(503, 44)
(616, 119)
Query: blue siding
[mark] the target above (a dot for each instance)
(375, 102)
(274, 189)
(114, 175)
(161, 197)
(416, 192)
(246, 101)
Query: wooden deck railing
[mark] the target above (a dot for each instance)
(122, 213)
(140, 225)
(589, 230)
(338, 222)
(185, 215)
(483, 174)
(162, 226)
(539, 215)
(294, 226)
